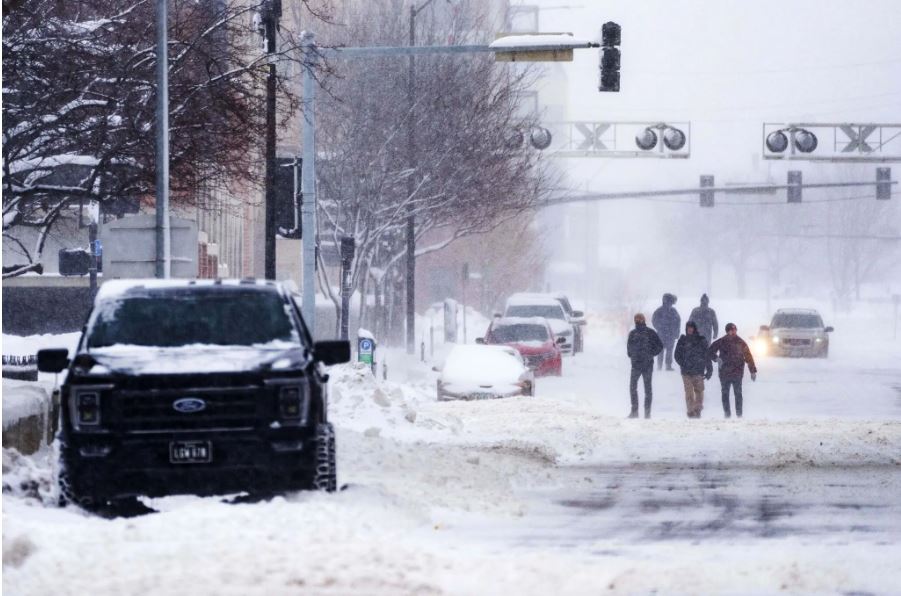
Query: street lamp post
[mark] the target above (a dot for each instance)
(163, 238)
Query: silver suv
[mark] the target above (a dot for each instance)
(796, 332)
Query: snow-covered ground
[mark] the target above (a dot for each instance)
(557, 493)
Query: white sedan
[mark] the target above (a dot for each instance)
(484, 372)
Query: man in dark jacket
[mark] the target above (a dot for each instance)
(691, 356)
(733, 353)
(667, 323)
(705, 318)
(641, 348)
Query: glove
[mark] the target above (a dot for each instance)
(708, 375)
(754, 376)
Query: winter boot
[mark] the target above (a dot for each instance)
(647, 413)
(633, 414)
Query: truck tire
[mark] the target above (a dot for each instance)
(326, 474)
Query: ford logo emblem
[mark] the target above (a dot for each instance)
(187, 405)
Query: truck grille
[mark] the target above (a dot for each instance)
(797, 342)
(155, 411)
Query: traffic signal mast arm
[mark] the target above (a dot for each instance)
(376, 51)
(743, 189)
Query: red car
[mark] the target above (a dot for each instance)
(533, 338)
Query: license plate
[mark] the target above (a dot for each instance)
(190, 452)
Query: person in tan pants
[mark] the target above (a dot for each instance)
(691, 356)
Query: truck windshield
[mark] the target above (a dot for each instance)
(548, 311)
(508, 334)
(179, 318)
(796, 321)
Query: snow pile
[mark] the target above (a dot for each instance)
(29, 476)
(22, 399)
(359, 402)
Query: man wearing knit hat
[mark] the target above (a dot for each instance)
(642, 346)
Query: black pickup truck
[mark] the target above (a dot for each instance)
(196, 387)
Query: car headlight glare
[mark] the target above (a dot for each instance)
(775, 339)
(819, 339)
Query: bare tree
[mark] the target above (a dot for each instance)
(467, 176)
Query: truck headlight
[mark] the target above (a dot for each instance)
(818, 340)
(775, 339)
(85, 407)
(293, 402)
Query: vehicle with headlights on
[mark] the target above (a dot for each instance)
(795, 332)
(193, 387)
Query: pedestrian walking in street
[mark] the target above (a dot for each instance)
(666, 322)
(705, 318)
(691, 356)
(733, 353)
(642, 346)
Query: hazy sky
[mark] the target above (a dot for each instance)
(727, 66)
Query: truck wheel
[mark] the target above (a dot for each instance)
(326, 475)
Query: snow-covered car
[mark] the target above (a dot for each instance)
(484, 372)
(526, 305)
(577, 318)
(184, 387)
(532, 338)
(795, 332)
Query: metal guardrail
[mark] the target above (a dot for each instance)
(20, 368)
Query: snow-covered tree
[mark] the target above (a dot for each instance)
(79, 98)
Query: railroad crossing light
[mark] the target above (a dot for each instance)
(805, 141)
(540, 138)
(777, 142)
(646, 139)
(883, 184)
(707, 199)
(611, 36)
(673, 139)
(794, 186)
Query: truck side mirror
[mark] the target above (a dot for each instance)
(480, 340)
(764, 328)
(578, 314)
(829, 329)
(53, 360)
(331, 351)
(561, 340)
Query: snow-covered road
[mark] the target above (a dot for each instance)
(559, 493)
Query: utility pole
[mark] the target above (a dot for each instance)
(163, 238)
(308, 186)
(272, 10)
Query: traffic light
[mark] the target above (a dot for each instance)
(883, 184)
(794, 186)
(287, 197)
(706, 195)
(610, 57)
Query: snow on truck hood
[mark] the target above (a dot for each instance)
(196, 358)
